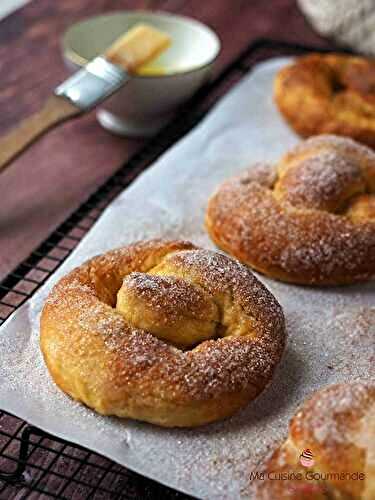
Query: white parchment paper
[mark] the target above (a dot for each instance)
(330, 331)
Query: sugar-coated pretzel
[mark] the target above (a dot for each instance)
(164, 332)
(337, 426)
(310, 219)
(329, 94)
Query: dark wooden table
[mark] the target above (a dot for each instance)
(50, 180)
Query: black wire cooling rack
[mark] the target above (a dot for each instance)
(34, 464)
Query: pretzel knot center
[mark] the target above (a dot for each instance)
(168, 307)
(327, 180)
(171, 302)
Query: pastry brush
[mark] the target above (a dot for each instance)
(91, 85)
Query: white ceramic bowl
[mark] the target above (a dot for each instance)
(148, 100)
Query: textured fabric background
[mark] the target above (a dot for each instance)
(348, 22)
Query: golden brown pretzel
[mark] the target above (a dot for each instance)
(308, 220)
(162, 331)
(337, 426)
(329, 93)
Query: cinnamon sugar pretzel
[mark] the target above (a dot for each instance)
(337, 426)
(164, 332)
(329, 94)
(310, 219)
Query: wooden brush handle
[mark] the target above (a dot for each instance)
(55, 110)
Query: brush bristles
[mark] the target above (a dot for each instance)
(138, 46)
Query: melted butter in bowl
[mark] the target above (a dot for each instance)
(152, 70)
(151, 97)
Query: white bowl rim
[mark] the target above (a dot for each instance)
(78, 60)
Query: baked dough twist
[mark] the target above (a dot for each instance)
(308, 220)
(164, 332)
(337, 427)
(329, 93)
